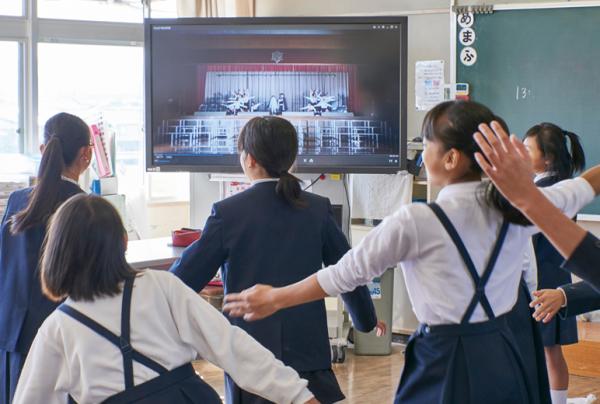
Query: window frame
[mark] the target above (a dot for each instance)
(22, 44)
(29, 31)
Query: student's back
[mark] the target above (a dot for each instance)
(130, 336)
(20, 293)
(436, 275)
(169, 323)
(277, 234)
(262, 239)
(66, 153)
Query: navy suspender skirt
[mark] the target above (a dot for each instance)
(466, 362)
(179, 385)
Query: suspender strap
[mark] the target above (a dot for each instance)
(120, 342)
(485, 277)
(125, 340)
(478, 282)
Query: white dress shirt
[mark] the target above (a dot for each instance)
(72, 181)
(543, 175)
(254, 182)
(438, 283)
(171, 324)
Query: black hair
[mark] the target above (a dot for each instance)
(273, 142)
(552, 142)
(452, 124)
(64, 136)
(83, 253)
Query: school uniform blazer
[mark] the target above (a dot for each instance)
(581, 298)
(23, 307)
(258, 238)
(585, 261)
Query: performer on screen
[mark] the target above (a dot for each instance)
(282, 104)
(273, 106)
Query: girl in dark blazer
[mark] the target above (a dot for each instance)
(275, 233)
(553, 161)
(66, 153)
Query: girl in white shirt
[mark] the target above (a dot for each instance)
(553, 161)
(462, 261)
(124, 336)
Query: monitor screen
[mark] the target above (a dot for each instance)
(340, 81)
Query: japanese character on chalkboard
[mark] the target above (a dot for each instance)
(468, 56)
(466, 37)
(465, 20)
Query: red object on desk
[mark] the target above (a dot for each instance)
(215, 283)
(185, 237)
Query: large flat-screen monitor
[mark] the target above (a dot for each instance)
(340, 81)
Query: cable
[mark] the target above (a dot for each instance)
(313, 182)
(344, 179)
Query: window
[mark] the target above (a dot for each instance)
(98, 82)
(94, 71)
(10, 127)
(11, 7)
(96, 10)
(163, 9)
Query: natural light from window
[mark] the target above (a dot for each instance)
(9, 97)
(104, 10)
(11, 7)
(98, 83)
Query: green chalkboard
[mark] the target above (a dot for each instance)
(540, 65)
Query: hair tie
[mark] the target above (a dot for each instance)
(55, 137)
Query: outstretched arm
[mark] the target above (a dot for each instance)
(252, 367)
(358, 302)
(384, 247)
(261, 301)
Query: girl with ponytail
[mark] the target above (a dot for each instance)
(556, 155)
(276, 233)
(66, 153)
(462, 258)
(271, 145)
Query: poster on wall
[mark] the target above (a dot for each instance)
(429, 84)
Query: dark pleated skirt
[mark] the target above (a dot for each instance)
(550, 276)
(529, 341)
(467, 364)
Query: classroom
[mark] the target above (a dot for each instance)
(276, 201)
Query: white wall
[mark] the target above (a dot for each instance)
(507, 2)
(166, 217)
(335, 7)
(593, 226)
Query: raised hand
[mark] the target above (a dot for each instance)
(506, 162)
